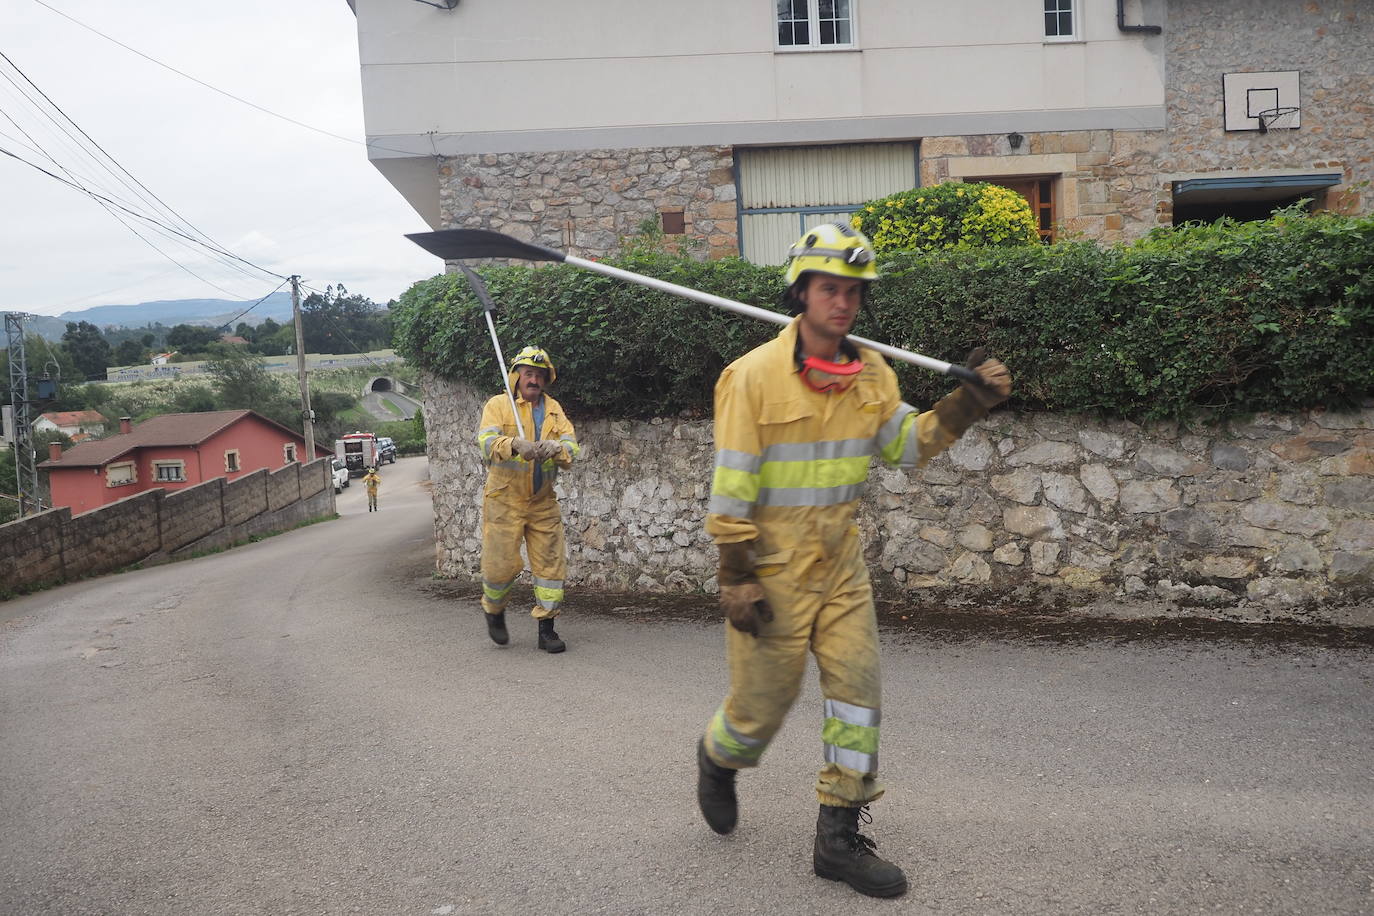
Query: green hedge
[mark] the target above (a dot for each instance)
(1269, 315)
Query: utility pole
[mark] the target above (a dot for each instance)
(307, 415)
(25, 462)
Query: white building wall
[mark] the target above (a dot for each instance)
(527, 75)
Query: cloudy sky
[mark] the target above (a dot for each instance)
(281, 196)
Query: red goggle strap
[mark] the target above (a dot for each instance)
(854, 367)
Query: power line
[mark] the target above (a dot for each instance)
(103, 152)
(230, 322)
(101, 197)
(228, 95)
(217, 252)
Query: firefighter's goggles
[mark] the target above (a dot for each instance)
(825, 376)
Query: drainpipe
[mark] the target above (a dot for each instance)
(1122, 26)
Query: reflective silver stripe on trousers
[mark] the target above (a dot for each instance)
(738, 461)
(810, 496)
(817, 451)
(728, 505)
(854, 715)
(547, 583)
(854, 760)
(735, 735)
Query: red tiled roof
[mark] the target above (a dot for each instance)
(170, 429)
(74, 418)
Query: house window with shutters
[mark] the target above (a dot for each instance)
(231, 461)
(783, 191)
(121, 474)
(288, 452)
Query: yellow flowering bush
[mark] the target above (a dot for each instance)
(949, 215)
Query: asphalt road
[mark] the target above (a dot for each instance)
(372, 403)
(311, 724)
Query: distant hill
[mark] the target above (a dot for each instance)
(207, 312)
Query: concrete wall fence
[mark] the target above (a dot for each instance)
(1268, 516)
(156, 526)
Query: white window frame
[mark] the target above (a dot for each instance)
(1075, 11)
(288, 453)
(110, 469)
(178, 466)
(232, 464)
(813, 14)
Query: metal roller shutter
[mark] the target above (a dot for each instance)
(784, 190)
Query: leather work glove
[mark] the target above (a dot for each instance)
(741, 596)
(996, 386)
(524, 448)
(545, 449)
(967, 404)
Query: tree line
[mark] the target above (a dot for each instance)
(335, 321)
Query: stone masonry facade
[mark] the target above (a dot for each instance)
(1110, 185)
(1113, 184)
(583, 202)
(1272, 516)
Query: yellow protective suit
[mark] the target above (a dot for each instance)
(372, 480)
(791, 464)
(512, 512)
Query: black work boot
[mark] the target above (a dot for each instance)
(844, 854)
(716, 792)
(548, 639)
(496, 628)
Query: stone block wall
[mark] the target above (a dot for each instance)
(1270, 515)
(245, 498)
(283, 487)
(31, 548)
(191, 514)
(583, 201)
(154, 526)
(114, 536)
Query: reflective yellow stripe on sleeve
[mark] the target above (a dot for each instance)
(485, 437)
(896, 439)
(735, 485)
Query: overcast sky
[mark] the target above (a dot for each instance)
(281, 196)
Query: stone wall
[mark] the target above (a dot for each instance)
(31, 548)
(245, 497)
(157, 525)
(583, 202)
(283, 487)
(1248, 518)
(191, 514)
(1118, 184)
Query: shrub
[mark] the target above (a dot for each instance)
(949, 215)
(1271, 315)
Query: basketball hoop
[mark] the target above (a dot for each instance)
(1282, 118)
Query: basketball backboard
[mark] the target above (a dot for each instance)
(1245, 95)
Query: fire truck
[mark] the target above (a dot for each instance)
(358, 451)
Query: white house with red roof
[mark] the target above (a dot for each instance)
(74, 424)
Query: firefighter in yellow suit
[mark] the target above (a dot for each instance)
(372, 480)
(519, 503)
(797, 421)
